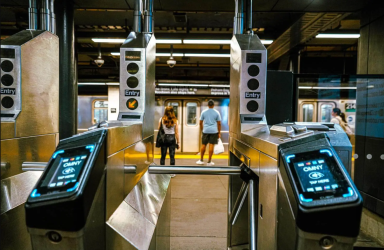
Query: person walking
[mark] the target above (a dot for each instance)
(210, 125)
(171, 139)
(339, 118)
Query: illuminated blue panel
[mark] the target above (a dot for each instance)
(289, 157)
(303, 199)
(90, 147)
(73, 188)
(326, 151)
(349, 194)
(57, 152)
(35, 194)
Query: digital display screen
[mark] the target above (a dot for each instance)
(253, 58)
(64, 172)
(132, 55)
(315, 176)
(68, 171)
(7, 53)
(318, 176)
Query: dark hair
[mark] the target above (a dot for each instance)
(211, 103)
(169, 118)
(338, 112)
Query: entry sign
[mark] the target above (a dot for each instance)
(255, 95)
(132, 92)
(132, 104)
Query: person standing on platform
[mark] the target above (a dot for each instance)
(171, 139)
(339, 118)
(210, 124)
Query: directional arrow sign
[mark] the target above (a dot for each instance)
(132, 104)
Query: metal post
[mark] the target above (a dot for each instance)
(194, 170)
(53, 16)
(137, 16)
(68, 82)
(32, 15)
(130, 169)
(45, 19)
(239, 203)
(249, 17)
(148, 12)
(239, 17)
(252, 215)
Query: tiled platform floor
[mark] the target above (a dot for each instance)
(198, 209)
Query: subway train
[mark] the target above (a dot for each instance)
(94, 109)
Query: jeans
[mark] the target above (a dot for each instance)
(170, 142)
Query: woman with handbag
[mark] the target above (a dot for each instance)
(339, 118)
(169, 135)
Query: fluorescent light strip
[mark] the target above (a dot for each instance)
(115, 53)
(218, 86)
(169, 41)
(206, 41)
(307, 87)
(108, 40)
(206, 55)
(182, 85)
(266, 41)
(338, 36)
(99, 83)
(169, 54)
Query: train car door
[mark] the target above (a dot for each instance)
(325, 111)
(307, 111)
(191, 130)
(178, 108)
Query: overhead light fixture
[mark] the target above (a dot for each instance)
(206, 55)
(99, 83)
(108, 40)
(168, 41)
(115, 53)
(338, 36)
(218, 86)
(308, 87)
(169, 54)
(182, 85)
(266, 42)
(206, 41)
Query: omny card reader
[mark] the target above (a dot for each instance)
(62, 198)
(321, 195)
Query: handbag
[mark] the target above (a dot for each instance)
(219, 147)
(160, 136)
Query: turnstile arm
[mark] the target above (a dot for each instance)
(194, 170)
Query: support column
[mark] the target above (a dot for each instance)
(68, 78)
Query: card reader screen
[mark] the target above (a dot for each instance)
(318, 176)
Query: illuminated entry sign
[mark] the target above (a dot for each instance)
(254, 95)
(8, 91)
(132, 92)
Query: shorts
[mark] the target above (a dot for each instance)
(210, 138)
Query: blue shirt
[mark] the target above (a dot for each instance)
(210, 118)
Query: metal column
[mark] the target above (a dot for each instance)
(68, 79)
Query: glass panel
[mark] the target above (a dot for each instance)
(175, 106)
(307, 112)
(101, 104)
(100, 115)
(326, 112)
(191, 113)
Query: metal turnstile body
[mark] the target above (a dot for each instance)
(29, 123)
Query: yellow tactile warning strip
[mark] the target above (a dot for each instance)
(179, 156)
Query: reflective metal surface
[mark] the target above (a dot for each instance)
(31, 149)
(122, 137)
(194, 170)
(7, 130)
(132, 225)
(34, 166)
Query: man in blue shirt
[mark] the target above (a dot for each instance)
(210, 124)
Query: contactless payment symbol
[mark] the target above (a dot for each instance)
(315, 175)
(132, 104)
(69, 170)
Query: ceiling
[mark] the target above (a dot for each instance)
(209, 19)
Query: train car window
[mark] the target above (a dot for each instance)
(99, 111)
(175, 106)
(191, 113)
(326, 112)
(307, 112)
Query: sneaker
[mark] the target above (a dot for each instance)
(210, 163)
(172, 175)
(199, 162)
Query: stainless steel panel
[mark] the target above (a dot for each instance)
(39, 90)
(33, 149)
(70, 240)
(7, 130)
(141, 155)
(15, 189)
(268, 201)
(315, 242)
(163, 227)
(235, 82)
(249, 154)
(115, 182)
(148, 195)
(122, 137)
(128, 229)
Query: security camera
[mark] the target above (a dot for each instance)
(171, 62)
(99, 61)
